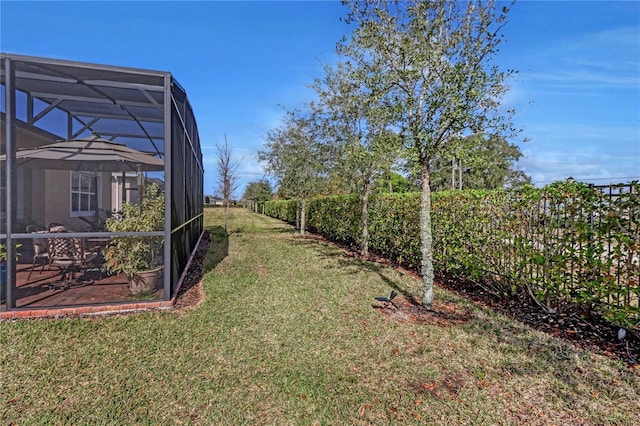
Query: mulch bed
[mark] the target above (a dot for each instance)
(191, 293)
(409, 309)
(583, 329)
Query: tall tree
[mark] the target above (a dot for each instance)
(258, 191)
(357, 120)
(436, 61)
(296, 159)
(227, 176)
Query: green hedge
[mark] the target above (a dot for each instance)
(336, 218)
(282, 209)
(568, 245)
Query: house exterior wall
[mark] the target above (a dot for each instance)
(57, 197)
(56, 194)
(30, 182)
(34, 198)
(116, 188)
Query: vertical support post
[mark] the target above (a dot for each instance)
(29, 108)
(69, 126)
(10, 195)
(168, 267)
(140, 183)
(124, 189)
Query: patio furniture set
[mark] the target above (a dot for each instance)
(71, 255)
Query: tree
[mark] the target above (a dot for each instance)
(394, 182)
(227, 176)
(435, 60)
(487, 163)
(258, 191)
(356, 120)
(296, 159)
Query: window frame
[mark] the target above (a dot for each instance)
(93, 193)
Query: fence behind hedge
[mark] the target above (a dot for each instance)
(567, 245)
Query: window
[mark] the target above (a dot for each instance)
(84, 193)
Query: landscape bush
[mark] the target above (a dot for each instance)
(336, 218)
(282, 209)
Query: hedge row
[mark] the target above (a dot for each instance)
(568, 245)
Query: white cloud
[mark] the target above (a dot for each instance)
(605, 59)
(586, 79)
(585, 152)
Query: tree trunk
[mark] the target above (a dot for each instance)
(426, 241)
(226, 213)
(364, 243)
(453, 173)
(303, 208)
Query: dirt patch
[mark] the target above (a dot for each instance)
(445, 389)
(408, 309)
(262, 270)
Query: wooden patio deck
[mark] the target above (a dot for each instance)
(92, 288)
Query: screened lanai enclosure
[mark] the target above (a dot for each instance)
(101, 179)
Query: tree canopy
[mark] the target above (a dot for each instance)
(433, 61)
(416, 79)
(357, 123)
(487, 163)
(296, 158)
(394, 182)
(258, 191)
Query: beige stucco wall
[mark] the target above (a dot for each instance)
(130, 190)
(58, 195)
(31, 139)
(31, 181)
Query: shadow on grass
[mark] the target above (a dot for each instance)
(218, 247)
(557, 356)
(530, 354)
(285, 229)
(507, 356)
(350, 263)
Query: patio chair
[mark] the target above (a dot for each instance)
(69, 255)
(40, 253)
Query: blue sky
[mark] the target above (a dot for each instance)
(577, 93)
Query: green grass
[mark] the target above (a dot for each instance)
(287, 336)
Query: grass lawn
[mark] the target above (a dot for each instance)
(287, 336)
